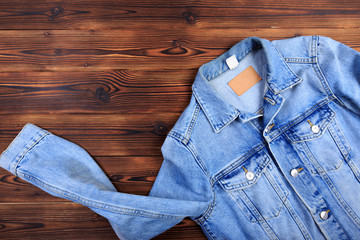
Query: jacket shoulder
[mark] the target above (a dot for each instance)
(183, 126)
(296, 47)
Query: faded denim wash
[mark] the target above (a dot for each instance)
(281, 161)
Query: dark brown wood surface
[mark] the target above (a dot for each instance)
(113, 77)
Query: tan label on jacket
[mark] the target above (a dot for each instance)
(244, 81)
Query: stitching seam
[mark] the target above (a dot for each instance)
(320, 73)
(27, 150)
(191, 125)
(204, 170)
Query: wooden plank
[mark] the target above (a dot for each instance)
(52, 221)
(67, 220)
(210, 14)
(146, 49)
(100, 135)
(133, 175)
(186, 229)
(119, 91)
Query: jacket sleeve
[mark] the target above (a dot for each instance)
(340, 67)
(66, 170)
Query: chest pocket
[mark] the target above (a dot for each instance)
(256, 187)
(319, 140)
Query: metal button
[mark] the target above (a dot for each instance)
(315, 128)
(294, 172)
(249, 175)
(324, 214)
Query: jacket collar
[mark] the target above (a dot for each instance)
(219, 112)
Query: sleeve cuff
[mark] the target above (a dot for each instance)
(23, 142)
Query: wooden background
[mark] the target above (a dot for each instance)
(113, 77)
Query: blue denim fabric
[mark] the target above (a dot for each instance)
(278, 162)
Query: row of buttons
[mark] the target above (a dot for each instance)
(314, 128)
(294, 173)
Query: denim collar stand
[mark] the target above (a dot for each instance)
(219, 112)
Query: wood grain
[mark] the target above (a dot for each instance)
(113, 77)
(151, 49)
(118, 91)
(56, 220)
(178, 14)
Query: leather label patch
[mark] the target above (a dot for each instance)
(244, 80)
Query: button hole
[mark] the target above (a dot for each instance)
(299, 169)
(271, 126)
(245, 169)
(271, 101)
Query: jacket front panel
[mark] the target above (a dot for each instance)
(250, 157)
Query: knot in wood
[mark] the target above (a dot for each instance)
(176, 43)
(58, 51)
(189, 17)
(56, 11)
(102, 94)
(160, 128)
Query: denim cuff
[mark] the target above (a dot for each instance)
(23, 142)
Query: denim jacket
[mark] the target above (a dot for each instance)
(278, 161)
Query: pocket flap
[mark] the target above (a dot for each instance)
(246, 173)
(312, 126)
